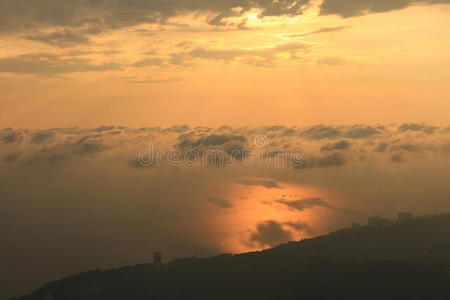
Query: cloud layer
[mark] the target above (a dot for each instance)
(97, 16)
(71, 22)
(320, 146)
(350, 8)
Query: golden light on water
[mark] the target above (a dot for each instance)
(252, 204)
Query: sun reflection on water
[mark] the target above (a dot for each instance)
(252, 202)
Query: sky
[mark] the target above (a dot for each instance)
(217, 62)
(112, 112)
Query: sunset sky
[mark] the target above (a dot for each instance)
(87, 87)
(214, 62)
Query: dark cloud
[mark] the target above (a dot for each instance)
(300, 226)
(270, 184)
(90, 144)
(61, 39)
(50, 65)
(321, 30)
(350, 8)
(179, 128)
(275, 128)
(233, 144)
(332, 160)
(10, 138)
(212, 140)
(115, 132)
(264, 54)
(104, 128)
(361, 132)
(271, 233)
(417, 127)
(289, 132)
(222, 203)
(304, 204)
(320, 132)
(93, 148)
(150, 62)
(79, 19)
(236, 151)
(342, 145)
(98, 16)
(408, 147)
(42, 137)
(217, 140)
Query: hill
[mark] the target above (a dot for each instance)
(399, 260)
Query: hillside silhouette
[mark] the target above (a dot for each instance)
(395, 260)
